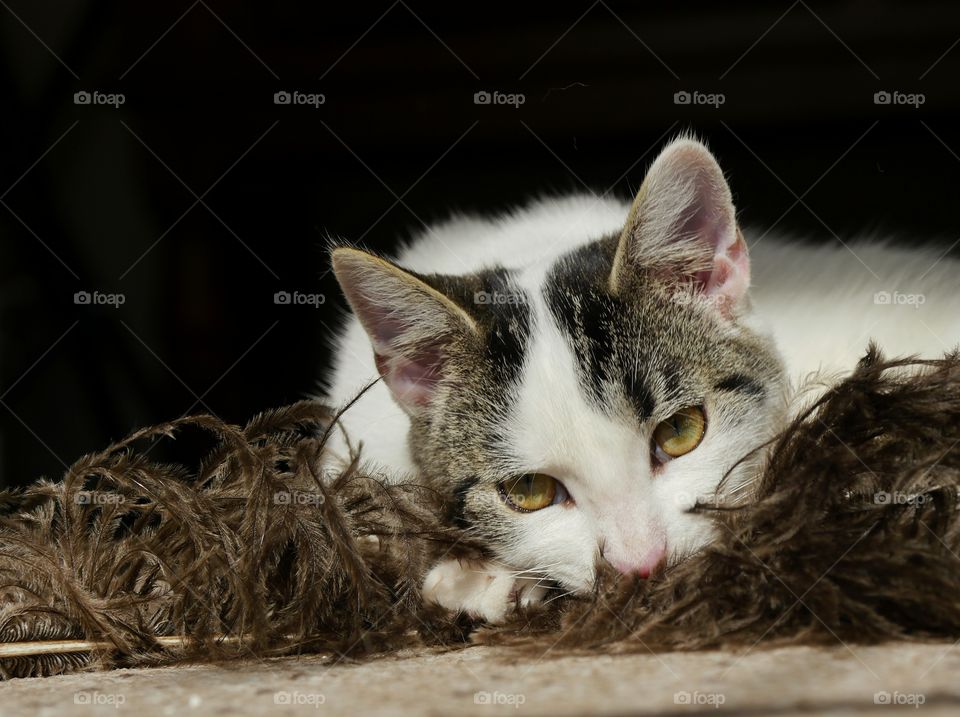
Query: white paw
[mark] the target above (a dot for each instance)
(480, 589)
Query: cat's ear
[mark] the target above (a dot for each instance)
(683, 225)
(410, 324)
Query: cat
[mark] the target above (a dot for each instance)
(581, 372)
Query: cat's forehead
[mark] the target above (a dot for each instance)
(644, 348)
(629, 354)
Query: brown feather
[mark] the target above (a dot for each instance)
(127, 561)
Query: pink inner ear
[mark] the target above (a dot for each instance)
(713, 223)
(730, 275)
(411, 374)
(411, 380)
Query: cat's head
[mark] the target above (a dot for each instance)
(580, 408)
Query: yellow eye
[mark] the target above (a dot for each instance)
(530, 492)
(680, 433)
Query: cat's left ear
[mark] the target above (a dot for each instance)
(683, 226)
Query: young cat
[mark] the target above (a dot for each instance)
(581, 372)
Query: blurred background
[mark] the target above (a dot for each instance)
(156, 193)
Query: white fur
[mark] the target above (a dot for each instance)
(820, 301)
(480, 589)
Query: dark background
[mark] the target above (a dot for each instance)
(102, 199)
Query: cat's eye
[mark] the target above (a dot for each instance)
(532, 491)
(680, 433)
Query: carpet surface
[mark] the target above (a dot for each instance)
(837, 680)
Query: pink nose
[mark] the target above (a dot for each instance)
(643, 567)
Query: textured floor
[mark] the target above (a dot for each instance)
(487, 681)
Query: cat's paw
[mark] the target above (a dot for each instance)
(480, 589)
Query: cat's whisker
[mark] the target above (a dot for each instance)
(539, 572)
(558, 597)
(549, 586)
(538, 568)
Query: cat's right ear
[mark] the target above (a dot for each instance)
(410, 324)
(683, 227)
